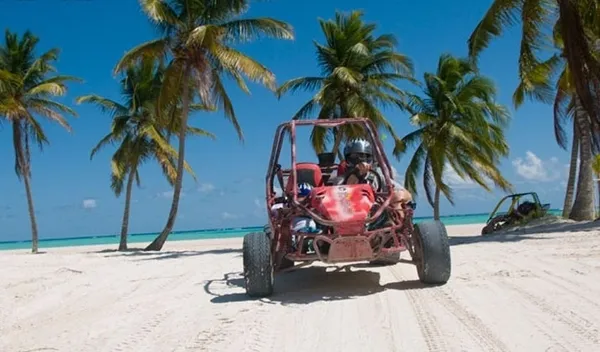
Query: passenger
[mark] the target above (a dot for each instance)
(358, 155)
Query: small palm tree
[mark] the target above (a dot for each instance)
(141, 131)
(197, 36)
(358, 75)
(460, 127)
(26, 92)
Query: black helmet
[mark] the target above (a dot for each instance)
(357, 151)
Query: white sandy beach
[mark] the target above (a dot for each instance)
(518, 292)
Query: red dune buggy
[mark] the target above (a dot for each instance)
(337, 222)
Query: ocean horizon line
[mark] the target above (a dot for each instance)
(224, 230)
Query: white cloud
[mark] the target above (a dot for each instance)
(228, 216)
(533, 168)
(206, 187)
(89, 203)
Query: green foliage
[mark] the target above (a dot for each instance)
(138, 126)
(459, 126)
(27, 91)
(358, 75)
(573, 68)
(198, 38)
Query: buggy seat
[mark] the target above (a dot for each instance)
(306, 173)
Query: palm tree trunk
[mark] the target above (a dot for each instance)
(160, 240)
(336, 143)
(570, 191)
(34, 229)
(578, 52)
(583, 206)
(436, 204)
(125, 224)
(24, 169)
(598, 186)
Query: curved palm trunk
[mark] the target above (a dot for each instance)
(598, 186)
(34, 230)
(583, 207)
(125, 224)
(436, 204)
(570, 191)
(336, 143)
(24, 169)
(160, 240)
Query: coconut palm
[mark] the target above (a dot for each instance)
(358, 74)
(536, 83)
(196, 39)
(27, 92)
(573, 19)
(459, 127)
(140, 130)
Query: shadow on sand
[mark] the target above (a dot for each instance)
(498, 238)
(535, 232)
(313, 284)
(142, 255)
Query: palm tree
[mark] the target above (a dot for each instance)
(26, 92)
(536, 83)
(576, 23)
(140, 130)
(574, 19)
(358, 74)
(460, 127)
(197, 36)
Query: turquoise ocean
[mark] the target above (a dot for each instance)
(113, 240)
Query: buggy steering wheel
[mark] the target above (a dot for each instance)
(371, 177)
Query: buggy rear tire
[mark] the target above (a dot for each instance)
(258, 264)
(434, 264)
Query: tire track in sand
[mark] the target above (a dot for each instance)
(131, 308)
(578, 324)
(245, 329)
(581, 326)
(443, 295)
(428, 324)
(242, 330)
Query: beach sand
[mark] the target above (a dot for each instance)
(518, 292)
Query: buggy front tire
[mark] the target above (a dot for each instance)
(258, 264)
(434, 264)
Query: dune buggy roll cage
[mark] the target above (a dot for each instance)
(274, 168)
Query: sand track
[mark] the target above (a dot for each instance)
(535, 292)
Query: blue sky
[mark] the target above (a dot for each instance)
(72, 195)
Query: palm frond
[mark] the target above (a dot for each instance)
(156, 49)
(244, 30)
(501, 14)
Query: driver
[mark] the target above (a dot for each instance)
(358, 155)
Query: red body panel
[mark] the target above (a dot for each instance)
(348, 205)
